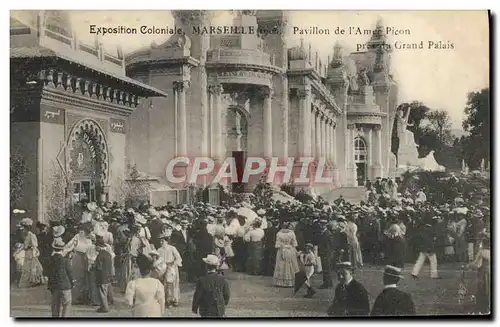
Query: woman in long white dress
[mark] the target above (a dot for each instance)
(32, 272)
(171, 257)
(286, 258)
(145, 295)
(355, 255)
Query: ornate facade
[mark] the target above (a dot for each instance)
(70, 104)
(251, 95)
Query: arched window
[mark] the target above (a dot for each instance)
(360, 150)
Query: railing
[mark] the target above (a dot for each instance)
(240, 56)
(63, 38)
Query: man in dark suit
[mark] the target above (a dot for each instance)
(324, 242)
(393, 302)
(212, 291)
(180, 239)
(155, 226)
(60, 281)
(351, 298)
(103, 274)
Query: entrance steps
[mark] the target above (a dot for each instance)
(351, 194)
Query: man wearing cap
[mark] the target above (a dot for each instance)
(351, 298)
(212, 291)
(60, 281)
(392, 301)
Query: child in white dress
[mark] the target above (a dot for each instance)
(308, 259)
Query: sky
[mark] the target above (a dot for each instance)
(440, 78)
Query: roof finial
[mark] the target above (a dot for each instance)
(337, 59)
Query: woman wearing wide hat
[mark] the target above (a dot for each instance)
(32, 274)
(173, 260)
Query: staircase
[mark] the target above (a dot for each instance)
(351, 194)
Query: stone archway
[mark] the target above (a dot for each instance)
(88, 159)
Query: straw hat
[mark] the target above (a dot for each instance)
(58, 231)
(393, 271)
(211, 260)
(26, 222)
(344, 265)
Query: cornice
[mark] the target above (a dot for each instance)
(243, 66)
(67, 98)
(367, 113)
(148, 62)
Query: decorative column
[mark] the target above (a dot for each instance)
(319, 152)
(180, 88)
(324, 140)
(334, 144)
(335, 169)
(215, 93)
(328, 144)
(268, 124)
(378, 167)
(314, 150)
(370, 154)
(304, 96)
(351, 166)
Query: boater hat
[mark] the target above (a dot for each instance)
(58, 231)
(393, 271)
(211, 260)
(344, 265)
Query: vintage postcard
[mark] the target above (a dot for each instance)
(249, 163)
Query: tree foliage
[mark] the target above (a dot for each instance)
(133, 190)
(476, 145)
(57, 197)
(18, 171)
(440, 125)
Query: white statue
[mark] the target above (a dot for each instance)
(407, 151)
(403, 124)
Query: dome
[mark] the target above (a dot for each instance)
(337, 59)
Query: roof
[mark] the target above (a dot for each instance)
(42, 52)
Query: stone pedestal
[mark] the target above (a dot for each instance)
(407, 151)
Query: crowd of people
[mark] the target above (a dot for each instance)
(148, 252)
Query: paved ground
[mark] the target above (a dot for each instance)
(254, 296)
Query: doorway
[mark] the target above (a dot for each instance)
(84, 190)
(360, 158)
(361, 173)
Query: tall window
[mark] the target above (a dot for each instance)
(360, 150)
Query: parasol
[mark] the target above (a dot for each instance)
(249, 214)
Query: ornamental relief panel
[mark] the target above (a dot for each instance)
(241, 77)
(72, 118)
(373, 120)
